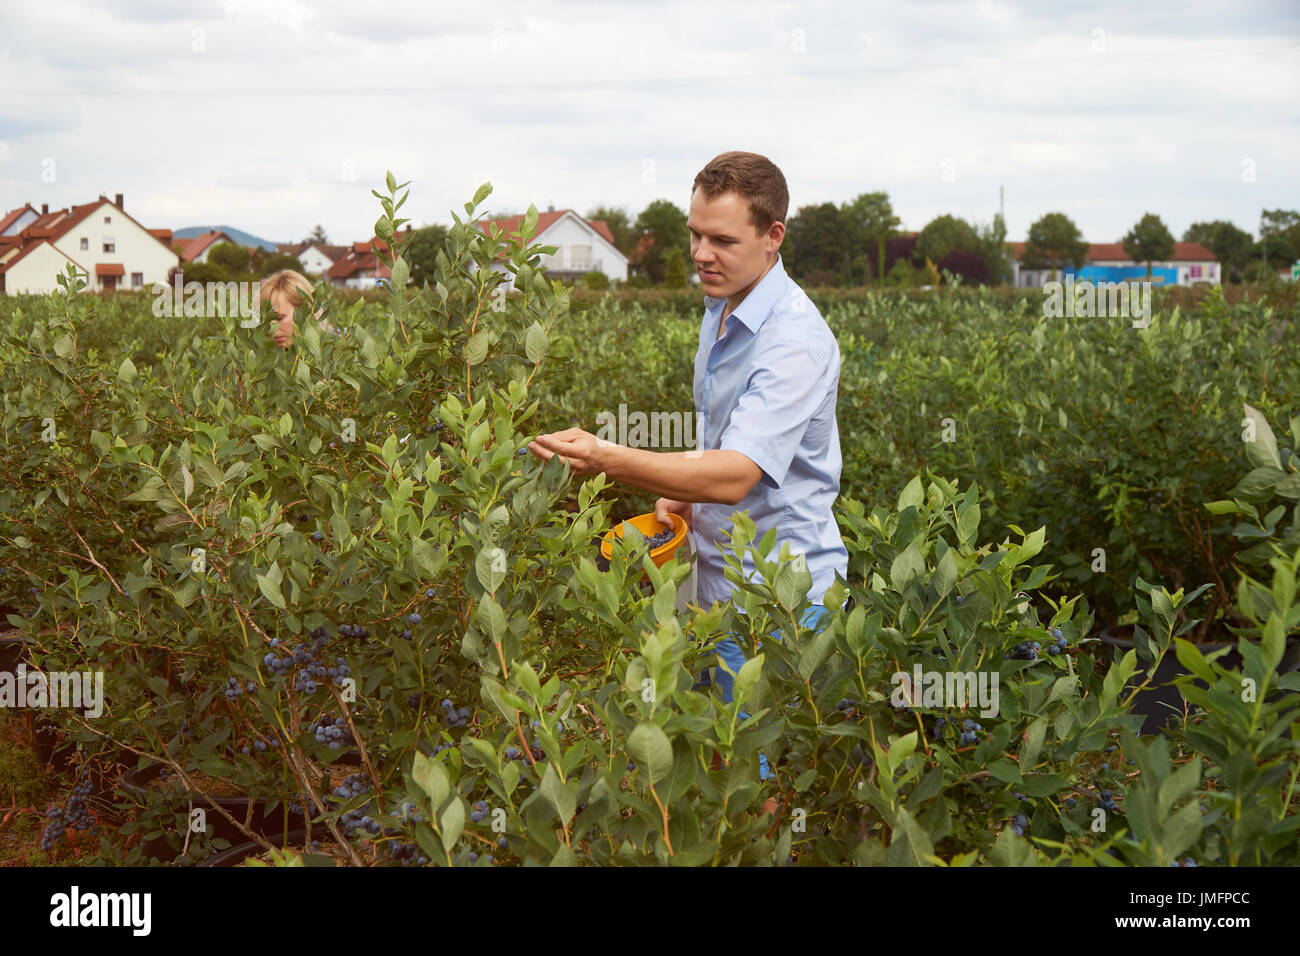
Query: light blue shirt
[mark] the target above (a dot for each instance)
(767, 389)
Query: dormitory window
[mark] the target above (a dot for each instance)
(109, 245)
(108, 219)
(85, 243)
(137, 280)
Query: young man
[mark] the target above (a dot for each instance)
(766, 379)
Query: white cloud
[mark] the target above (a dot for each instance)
(565, 102)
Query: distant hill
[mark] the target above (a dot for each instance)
(241, 237)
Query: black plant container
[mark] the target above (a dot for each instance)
(1161, 703)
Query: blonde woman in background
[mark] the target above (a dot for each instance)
(286, 290)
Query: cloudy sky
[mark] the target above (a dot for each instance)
(274, 115)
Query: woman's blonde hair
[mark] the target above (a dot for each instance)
(293, 285)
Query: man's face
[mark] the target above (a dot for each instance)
(728, 255)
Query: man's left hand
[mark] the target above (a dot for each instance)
(585, 453)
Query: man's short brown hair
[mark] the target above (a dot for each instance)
(752, 176)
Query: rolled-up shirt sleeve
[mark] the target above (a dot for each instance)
(780, 399)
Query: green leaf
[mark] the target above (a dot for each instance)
(126, 372)
(1258, 484)
(476, 348)
(912, 494)
(271, 589)
(536, 343)
(1262, 452)
(650, 747)
(491, 618)
(557, 794)
(425, 557)
(945, 574)
(749, 674)
(910, 844)
(1181, 830)
(431, 777)
(490, 567)
(401, 274)
(906, 566)
(452, 823)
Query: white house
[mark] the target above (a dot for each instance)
(1191, 264)
(582, 245)
(16, 220)
(105, 244)
(316, 257)
(197, 248)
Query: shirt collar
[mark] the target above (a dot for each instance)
(756, 307)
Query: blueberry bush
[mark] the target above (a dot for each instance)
(333, 579)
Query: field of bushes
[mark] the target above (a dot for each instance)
(332, 581)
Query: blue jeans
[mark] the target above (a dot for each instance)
(729, 653)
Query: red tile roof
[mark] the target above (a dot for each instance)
(361, 258)
(14, 215)
(32, 247)
(193, 247)
(162, 235)
(510, 227)
(110, 269)
(1114, 251)
(53, 225)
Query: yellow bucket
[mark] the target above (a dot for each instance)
(649, 526)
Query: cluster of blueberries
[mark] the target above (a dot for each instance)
(1107, 801)
(333, 733)
(407, 854)
(455, 717)
(234, 688)
(514, 753)
(357, 819)
(969, 732)
(307, 665)
(76, 815)
(480, 812)
(661, 538)
(260, 745)
(1029, 650)
(1020, 824)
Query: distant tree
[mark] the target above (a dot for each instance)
(814, 237)
(264, 262)
(231, 259)
(675, 269)
(1281, 224)
(665, 223)
(422, 253)
(1054, 241)
(945, 234)
(1275, 252)
(901, 275)
(620, 225)
(993, 249)
(868, 220)
(1230, 245)
(317, 235)
(1148, 241)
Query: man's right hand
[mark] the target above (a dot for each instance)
(665, 505)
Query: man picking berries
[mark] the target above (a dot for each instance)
(766, 380)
